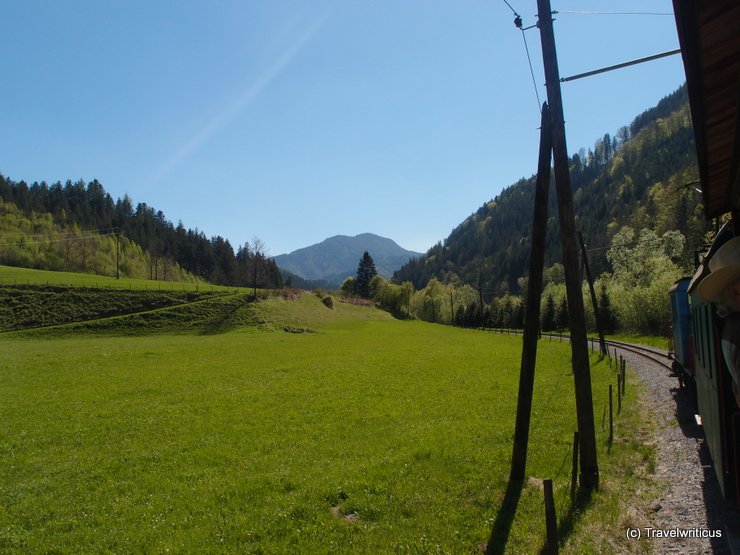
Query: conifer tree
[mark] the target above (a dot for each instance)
(365, 273)
(548, 316)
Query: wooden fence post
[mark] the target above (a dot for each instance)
(551, 520)
(624, 377)
(611, 416)
(603, 419)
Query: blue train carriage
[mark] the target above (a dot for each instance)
(682, 351)
(715, 395)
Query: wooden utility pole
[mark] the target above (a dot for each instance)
(597, 315)
(534, 292)
(480, 295)
(118, 248)
(589, 477)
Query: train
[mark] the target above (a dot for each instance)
(699, 363)
(710, 51)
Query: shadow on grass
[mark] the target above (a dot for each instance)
(567, 521)
(504, 518)
(506, 513)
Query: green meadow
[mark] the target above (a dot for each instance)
(292, 428)
(10, 275)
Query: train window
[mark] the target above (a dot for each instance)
(705, 338)
(702, 335)
(697, 332)
(709, 338)
(697, 347)
(705, 345)
(699, 337)
(702, 338)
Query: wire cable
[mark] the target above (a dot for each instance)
(512, 9)
(518, 25)
(61, 240)
(531, 71)
(581, 12)
(82, 233)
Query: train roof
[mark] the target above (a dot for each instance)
(680, 284)
(709, 35)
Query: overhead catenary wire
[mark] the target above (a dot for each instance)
(512, 9)
(531, 71)
(518, 25)
(631, 244)
(583, 12)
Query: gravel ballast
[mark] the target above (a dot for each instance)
(692, 503)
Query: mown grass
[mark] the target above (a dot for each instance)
(369, 435)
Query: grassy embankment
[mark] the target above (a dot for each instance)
(10, 276)
(361, 434)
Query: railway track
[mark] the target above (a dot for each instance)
(658, 357)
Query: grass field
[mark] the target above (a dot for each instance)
(10, 275)
(360, 434)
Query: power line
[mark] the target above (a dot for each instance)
(531, 71)
(518, 25)
(82, 233)
(632, 244)
(581, 12)
(512, 9)
(92, 235)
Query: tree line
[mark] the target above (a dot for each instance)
(79, 206)
(632, 297)
(639, 177)
(640, 216)
(632, 194)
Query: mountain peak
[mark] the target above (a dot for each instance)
(336, 257)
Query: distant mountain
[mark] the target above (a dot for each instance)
(336, 258)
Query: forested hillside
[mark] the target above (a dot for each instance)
(641, 178)
(79, 227)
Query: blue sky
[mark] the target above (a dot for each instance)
(297, 120)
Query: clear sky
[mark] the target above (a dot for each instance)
(297, 120)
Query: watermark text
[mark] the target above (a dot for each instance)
(674, 533)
